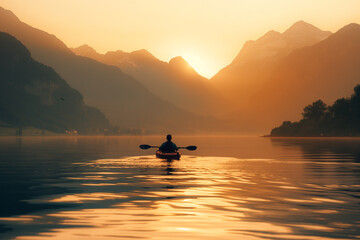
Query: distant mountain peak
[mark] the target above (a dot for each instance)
(11, 24)
(274, 45)
(349, 33)
(301, 27)
(302, 23)
(181, 64)
(86, 51)
(179, 61)
(143, 53)
(8, 14)
(268, 36)
(271, 33)
(85, 48)
(350, 28)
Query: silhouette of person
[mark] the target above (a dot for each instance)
(168, 146)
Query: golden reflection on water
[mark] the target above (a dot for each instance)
(80, 198)
(195, 198)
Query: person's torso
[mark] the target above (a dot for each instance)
(168, 147)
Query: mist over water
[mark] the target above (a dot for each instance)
(230, 188)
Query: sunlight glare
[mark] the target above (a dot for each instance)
(200, 66)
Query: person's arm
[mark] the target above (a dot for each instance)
(175, 147)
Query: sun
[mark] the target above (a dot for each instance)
(199, 64)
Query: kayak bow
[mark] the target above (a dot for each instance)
(168, 156)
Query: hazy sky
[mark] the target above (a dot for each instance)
(207, 33)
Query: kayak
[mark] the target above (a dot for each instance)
(168, 156)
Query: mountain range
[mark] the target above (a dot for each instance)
(123, 99)
(257, 59)
(176, 81)
(271, 78)
(326, 70)
(34, 95)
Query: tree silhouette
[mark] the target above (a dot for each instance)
(315, 111)
(340, 119)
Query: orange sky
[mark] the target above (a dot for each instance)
(207, 33)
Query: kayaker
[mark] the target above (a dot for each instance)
(168, 146)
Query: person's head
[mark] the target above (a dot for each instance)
(168, 137)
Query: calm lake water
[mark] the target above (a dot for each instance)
(230, 188)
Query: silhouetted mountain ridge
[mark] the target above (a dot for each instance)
(143, 53)
(176, 81)
(302, 27)
(123, 99)
(255, 62)
(87, 50)
(10, 23)
(274, 45)
(328, 70)
(32, 94)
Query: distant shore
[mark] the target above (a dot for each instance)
(313, 137)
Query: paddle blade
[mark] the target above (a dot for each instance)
(191, 148)
(145, 146)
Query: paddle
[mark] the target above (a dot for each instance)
(145, 146)
(190, 148)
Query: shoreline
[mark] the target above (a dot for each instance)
(312, 137)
